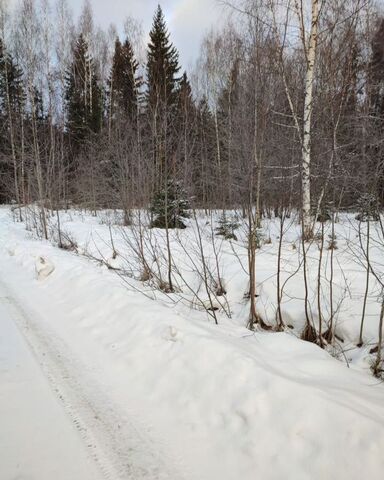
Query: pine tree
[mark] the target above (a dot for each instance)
(84, 100)
(124, 83)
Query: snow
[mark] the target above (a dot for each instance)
(93, 236)
(182, 397)
(36, 441)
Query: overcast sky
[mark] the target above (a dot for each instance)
(188, 20)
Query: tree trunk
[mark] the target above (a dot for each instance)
(308, 109)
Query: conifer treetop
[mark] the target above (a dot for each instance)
(162, 62)
(124, 82)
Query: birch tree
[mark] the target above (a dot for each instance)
(310, 49)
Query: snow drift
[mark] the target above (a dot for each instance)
(225, 402)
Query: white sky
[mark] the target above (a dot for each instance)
(188, 20)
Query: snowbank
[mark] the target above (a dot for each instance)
(224, 402)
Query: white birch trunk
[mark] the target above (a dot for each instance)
(308, 108)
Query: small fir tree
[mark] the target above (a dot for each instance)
(227, 227)
(170, 206)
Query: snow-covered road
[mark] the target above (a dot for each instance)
(56, 423)
(37, 441)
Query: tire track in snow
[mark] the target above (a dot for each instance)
(115, 442)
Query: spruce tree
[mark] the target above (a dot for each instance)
(124, 83)
(185, 130)
(204, 171)
(11, 84)
(162, 102)
(123, 116)
(84, 100)
(38, 102)
(227, 105)
(162, 89)
(11, 107)
(185, 93)
(162, 66)
(185, 105)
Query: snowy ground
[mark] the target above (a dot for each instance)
(37, 440)
(157, 390)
